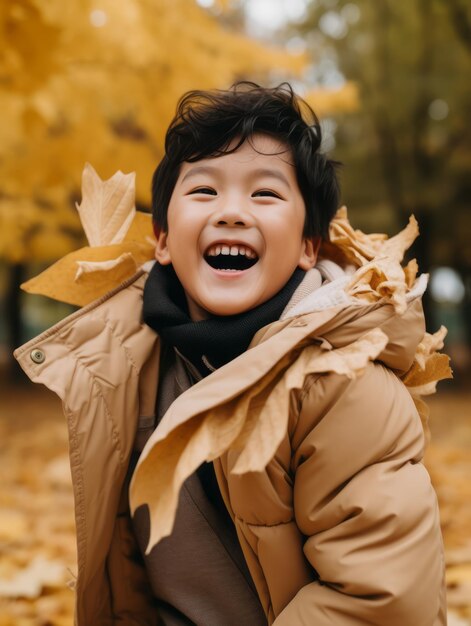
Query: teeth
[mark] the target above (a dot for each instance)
(231, 250)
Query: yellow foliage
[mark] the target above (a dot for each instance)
(100, 83)
(330, 101)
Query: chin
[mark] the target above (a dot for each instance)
(226, 311)
(227, 308)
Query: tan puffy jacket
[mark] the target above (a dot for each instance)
(317, 447)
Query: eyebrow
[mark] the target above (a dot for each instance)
(200, 169)
(257, 173)
(269, 173)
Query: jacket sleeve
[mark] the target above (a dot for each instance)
(365, 503)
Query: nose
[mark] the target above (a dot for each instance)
(231, 217)
(230, 221)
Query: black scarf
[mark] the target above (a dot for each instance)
(211, 343)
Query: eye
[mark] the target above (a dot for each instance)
(206, 190)
(266, 193)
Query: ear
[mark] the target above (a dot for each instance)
(162, 253)
(309, 251)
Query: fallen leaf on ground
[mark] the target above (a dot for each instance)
(29, 582)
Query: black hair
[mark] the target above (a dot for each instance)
(207, 123)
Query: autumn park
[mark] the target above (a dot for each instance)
(89, 87)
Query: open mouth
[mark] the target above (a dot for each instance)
(236, 258)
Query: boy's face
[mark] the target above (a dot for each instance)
(235, 228)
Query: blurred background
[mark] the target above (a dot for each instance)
(98, 81)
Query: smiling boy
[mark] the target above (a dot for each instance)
(246, 203)
(243, 398)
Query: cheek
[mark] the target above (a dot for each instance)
(285, 237)
(182, 232)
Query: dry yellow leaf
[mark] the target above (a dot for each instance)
(13, 524)
(59, 281)
(359, 248)
(57, 472)
(141, 230)
(410, 272)
(396, 246)
(378, 259)
(29, 582)
(91, 267)
(458, 556)
(107, 208)
(436, 368)
(454, 619)
(88, 273)
(428, 369)
(430, 344)
(457, 574)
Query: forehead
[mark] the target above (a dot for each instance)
(257, 150)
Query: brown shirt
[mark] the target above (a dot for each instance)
(198, 574)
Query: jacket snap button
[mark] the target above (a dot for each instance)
(37, 356)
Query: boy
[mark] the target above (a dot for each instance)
(275, 473)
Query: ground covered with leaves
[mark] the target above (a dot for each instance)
(37, 541)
